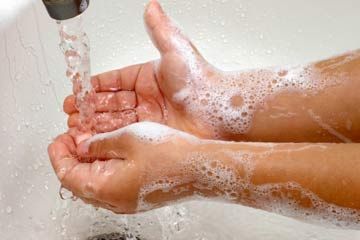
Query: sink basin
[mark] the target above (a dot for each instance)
(232, 34)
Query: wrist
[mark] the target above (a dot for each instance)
(167, 178)
(225, 169)
(212, 169)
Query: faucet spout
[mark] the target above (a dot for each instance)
(65, 9)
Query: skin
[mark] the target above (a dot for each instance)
(112, 173)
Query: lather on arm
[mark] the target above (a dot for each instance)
(316, 102)
(147, 165)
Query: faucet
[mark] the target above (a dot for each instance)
(65, 9)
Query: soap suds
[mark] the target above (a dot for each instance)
(227, 183)
(149, 132)
(231, 102)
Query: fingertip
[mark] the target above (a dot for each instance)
(58, 151)
(152, 6)
(153, 14)
(68, 141)
(73, 120)
(161, 28)
(69, 104)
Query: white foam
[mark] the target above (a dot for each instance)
(277, 198)
(164, 184)
(227, 184)
(211, 100)
(186, 50)
(145, 131)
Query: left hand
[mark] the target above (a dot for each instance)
(132, 168)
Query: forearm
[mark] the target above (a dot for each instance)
(322, 104)
(297, 180)
(293, 179)
(328, 170)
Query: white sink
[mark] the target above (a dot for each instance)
(232, 34)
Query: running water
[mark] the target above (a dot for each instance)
(75, 46)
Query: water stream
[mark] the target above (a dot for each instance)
(76, 48)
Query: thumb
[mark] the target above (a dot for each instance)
(163, 32)
(104, 146)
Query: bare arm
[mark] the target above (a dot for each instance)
(306, 181)
(325, 108)
(147, 165)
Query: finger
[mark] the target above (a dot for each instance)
(68, 141)
(115, 80)
(61, 157)
(105, 102)
(161, 29)
(70, 104)
(106, 122)
(79, 136)
(89, 180)
(92, 180)
(121, 79)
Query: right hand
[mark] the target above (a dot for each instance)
(163, 91)
(133, 167)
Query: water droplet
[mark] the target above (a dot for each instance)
(66, 194)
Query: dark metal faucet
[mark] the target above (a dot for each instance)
(65, 9)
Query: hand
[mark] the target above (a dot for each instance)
(161, 91)
(137, 168)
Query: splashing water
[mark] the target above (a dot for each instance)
(75, 46)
